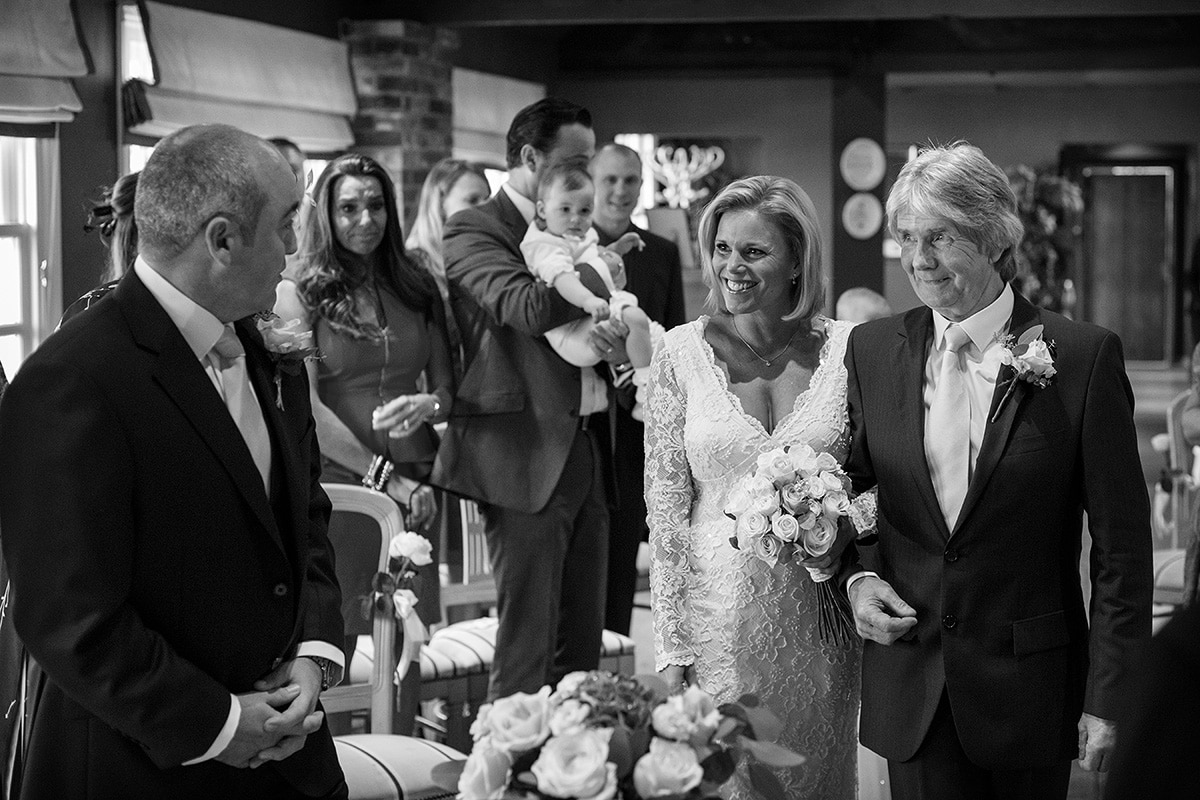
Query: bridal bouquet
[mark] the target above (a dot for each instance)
(789, 507)
(599, 736)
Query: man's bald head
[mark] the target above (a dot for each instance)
(193, 175)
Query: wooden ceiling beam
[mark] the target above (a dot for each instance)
(524, 13)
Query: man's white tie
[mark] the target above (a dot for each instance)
(230, 358)
(948, 439)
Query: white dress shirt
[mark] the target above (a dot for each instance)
(981, 366)
(593, 394)
(981, 363)
(200, 329)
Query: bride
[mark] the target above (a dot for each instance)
(764, 371)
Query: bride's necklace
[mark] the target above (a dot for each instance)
(766, 361)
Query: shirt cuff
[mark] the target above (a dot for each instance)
(225, 736)
(858, 576)
(327, 651)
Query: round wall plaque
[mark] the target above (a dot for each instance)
(862, 215)
(863, 164)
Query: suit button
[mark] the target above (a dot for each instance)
(281, 590)
(949, 621)
(951, 556)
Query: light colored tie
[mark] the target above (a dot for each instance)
(948, 429)
(230, 358)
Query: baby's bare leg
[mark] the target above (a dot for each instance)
(637, 343)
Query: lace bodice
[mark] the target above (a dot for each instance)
(744, 625)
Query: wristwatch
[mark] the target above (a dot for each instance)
(327, 668)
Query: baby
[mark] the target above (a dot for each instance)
(560, 237)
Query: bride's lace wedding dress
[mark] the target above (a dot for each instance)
(747, 627)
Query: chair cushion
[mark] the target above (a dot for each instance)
(385, 767)
(468, 648)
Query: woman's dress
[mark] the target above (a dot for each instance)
(354, 376)
(746, 626)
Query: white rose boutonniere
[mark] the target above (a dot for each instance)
(1031, 359)
(288, 345)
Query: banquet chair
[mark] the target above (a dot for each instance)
(361, 528)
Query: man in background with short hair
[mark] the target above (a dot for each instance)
(654, 275)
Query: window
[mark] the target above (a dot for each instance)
(28, 269)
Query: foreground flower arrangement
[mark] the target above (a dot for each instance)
(600, 736)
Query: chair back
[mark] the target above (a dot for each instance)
(477, 590)
(361, 528)
(1180, 463)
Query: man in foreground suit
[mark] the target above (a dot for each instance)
(522, 436)
(654, 275)
(163, 521)
(980, 676)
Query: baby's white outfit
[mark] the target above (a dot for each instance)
(548, 256)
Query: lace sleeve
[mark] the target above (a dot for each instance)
(864, 510)
(668, 506)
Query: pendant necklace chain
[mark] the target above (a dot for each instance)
(766, 361)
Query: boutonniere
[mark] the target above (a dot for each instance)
(1031, 359)
(288, 346)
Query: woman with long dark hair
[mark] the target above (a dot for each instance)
(384, 375)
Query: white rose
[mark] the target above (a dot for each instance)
(669, 768)
(785, 527)
(737, 502)
(765, 504)
(413, 546)
(520, 721)
(285, 337)
(767, 547)
(804, 458)
(1038, 359)
(832, 481)
(569, 716)
(815, 487)
(757, 486)
(750, 526)
(792, 496)
(818, 540)
(836, 504)
(691, 716)
(485, 775)
(827, 463)
(481, 727)
(574, 764)
(776, 466)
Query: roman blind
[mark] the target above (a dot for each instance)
(42, 51)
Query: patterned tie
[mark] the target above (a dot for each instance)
(230, 359)
(948, 431)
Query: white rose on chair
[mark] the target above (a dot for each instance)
(413, 546)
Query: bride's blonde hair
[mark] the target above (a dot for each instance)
(784, 203)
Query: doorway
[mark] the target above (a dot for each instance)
(1131, 277)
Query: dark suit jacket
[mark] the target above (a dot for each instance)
(516, 411)
(151, 575)
(1001, 620)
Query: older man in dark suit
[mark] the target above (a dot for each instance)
(163, 521)
(654, 275)
(989, 426)
(522, 436)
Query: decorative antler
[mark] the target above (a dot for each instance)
(678, 167)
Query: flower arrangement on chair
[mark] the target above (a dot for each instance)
(599, 736)
(392, 592)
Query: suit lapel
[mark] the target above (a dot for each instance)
(286, 460)
(910, 357)
(995, 435)
(182, 377)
